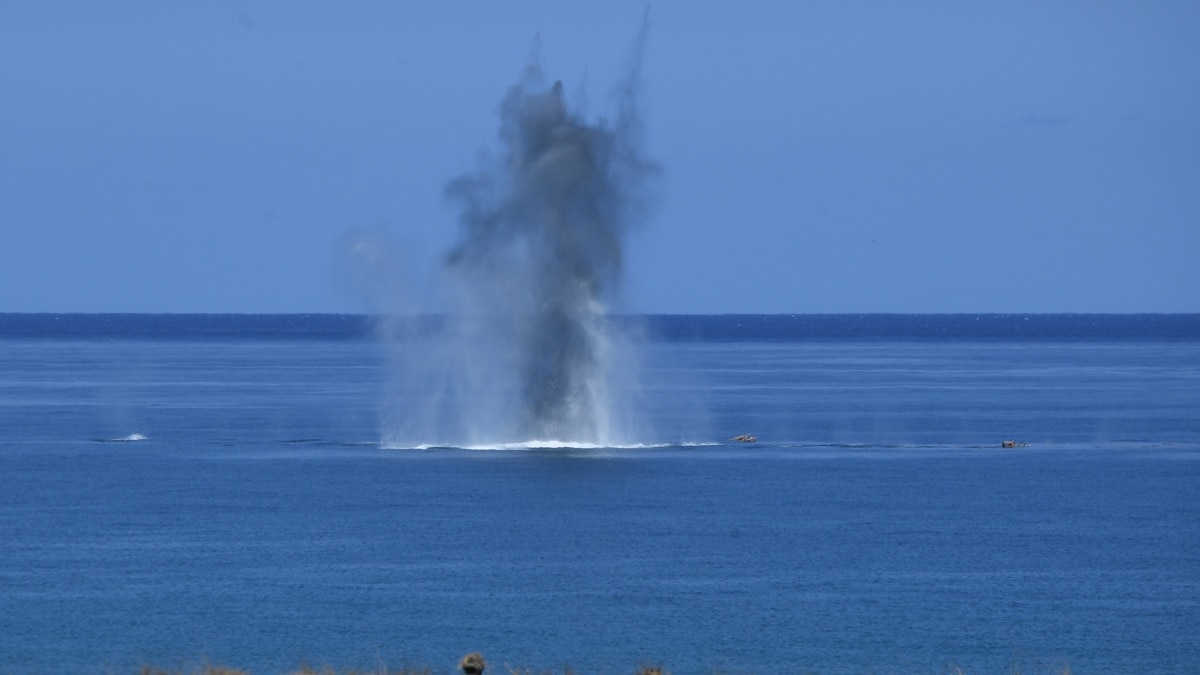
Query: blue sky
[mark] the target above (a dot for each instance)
(817, 156)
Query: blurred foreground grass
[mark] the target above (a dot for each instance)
(330, 670)
(1016, 668)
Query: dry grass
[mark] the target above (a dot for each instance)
(567, 670)
(208, 669)
(331, 670)
(303, 670)
(1015, 668)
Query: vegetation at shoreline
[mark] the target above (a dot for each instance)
(382, 670)
(1015, 668)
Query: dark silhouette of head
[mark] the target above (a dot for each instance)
(472, 664)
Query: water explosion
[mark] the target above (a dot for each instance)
(529, 351)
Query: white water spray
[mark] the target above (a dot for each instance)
(529, 353)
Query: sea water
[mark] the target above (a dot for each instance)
(186, 489)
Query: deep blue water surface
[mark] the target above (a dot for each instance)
(253, 516)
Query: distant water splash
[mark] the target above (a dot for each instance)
(529, 351)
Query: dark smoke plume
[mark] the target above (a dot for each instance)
(539, 257)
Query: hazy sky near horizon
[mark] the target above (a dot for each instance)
(816, 156)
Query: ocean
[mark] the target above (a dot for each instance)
(236, 489)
